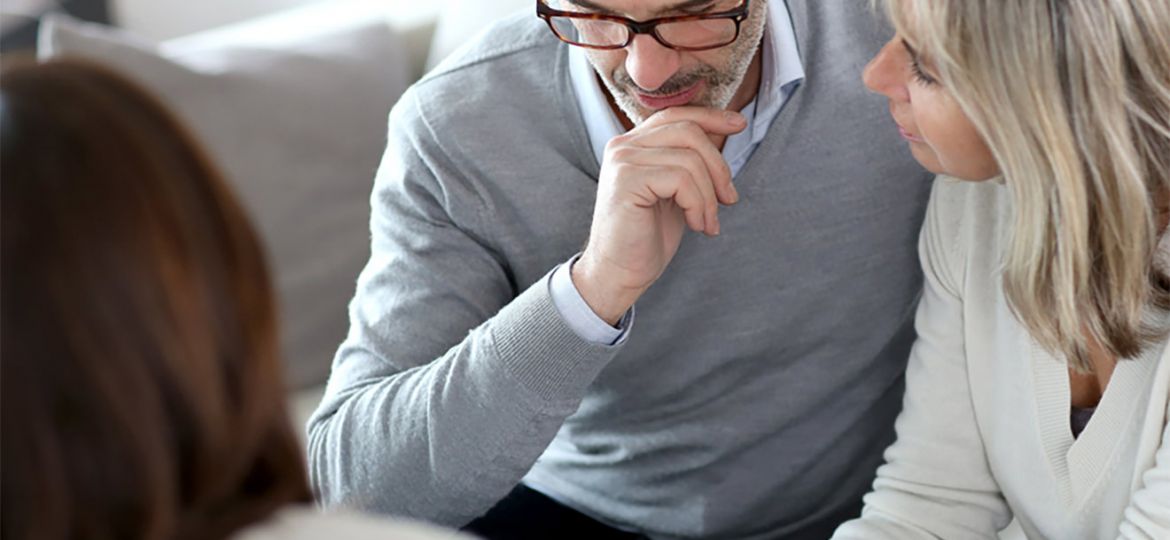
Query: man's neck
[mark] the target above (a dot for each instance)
(750, 87)
(745, 94)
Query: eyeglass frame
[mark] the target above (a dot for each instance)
(648, 27)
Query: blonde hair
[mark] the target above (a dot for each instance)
(1073, 98)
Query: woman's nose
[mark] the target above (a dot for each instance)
(886, 72)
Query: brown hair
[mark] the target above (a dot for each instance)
(142, 396)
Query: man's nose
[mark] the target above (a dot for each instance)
(649, 63)
(885, 75)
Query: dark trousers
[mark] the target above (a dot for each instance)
(527, 514)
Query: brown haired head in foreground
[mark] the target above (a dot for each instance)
(142, 396)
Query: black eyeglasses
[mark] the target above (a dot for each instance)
(607, 32)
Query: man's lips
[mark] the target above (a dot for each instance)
(674, 100)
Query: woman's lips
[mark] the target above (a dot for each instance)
(673, 100)
(908, 136)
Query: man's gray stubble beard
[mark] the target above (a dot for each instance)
(722, 86)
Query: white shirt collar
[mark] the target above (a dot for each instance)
(781, 71)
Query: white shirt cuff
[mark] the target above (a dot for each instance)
(578, 315)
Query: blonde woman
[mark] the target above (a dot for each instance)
(1039, 384)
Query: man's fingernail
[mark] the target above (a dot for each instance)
(734, 193)
(734, 118)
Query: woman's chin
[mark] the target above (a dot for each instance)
(927, 158)
(970, 171)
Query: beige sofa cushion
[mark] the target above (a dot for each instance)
(294, 109)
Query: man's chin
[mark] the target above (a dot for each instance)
(638, 113)
(633, 111)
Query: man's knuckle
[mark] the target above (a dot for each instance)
(694, 130)
(681, 174)
(621, 154)
(670, 115)
(616, 143)
(694, 159)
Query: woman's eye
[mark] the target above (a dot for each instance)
(920, 75)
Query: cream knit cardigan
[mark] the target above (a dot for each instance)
(984, 433)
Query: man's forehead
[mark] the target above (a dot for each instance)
(653, 8)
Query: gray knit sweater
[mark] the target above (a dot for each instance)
(761, 378)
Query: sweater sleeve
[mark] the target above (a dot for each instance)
(1148, 513)
(936, 482)
(450, 383)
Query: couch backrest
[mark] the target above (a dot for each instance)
(293, 107)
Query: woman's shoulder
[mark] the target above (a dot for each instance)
(963, 207)
(304, 522)
(966, 225)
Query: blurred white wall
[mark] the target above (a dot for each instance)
(462, 19)
(17, 12)
(25, 7)
(165, 19)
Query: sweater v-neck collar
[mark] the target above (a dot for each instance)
(1080, 464)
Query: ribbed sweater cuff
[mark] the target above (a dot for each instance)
(542, 352)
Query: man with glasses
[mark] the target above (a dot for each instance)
(725, 170)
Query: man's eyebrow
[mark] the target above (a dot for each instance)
(681, 6)
(686, 5)
(586, 4)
